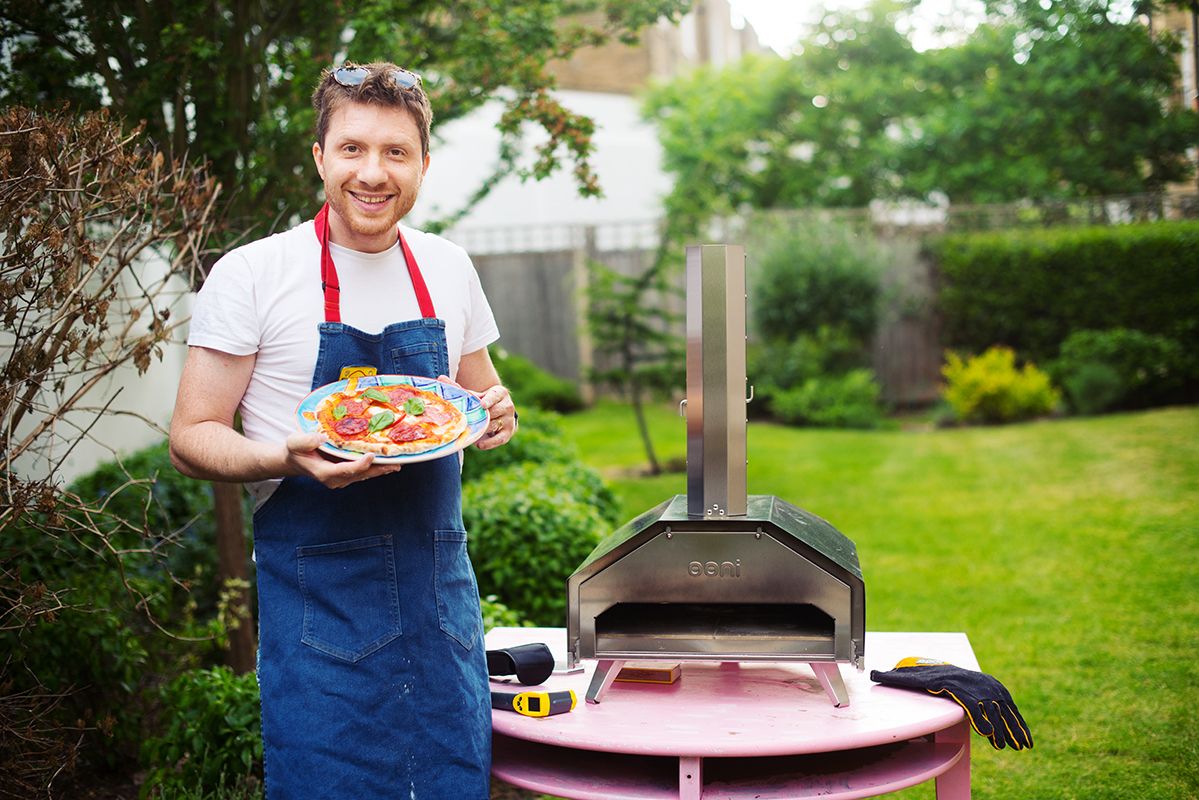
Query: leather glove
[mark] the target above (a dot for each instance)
(988, 705)
(531, 663)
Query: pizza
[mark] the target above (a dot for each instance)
(389, 420)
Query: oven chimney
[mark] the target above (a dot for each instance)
(716, 383)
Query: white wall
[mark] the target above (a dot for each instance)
(140, 408)
(627, 161)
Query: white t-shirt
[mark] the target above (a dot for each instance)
(266, 298)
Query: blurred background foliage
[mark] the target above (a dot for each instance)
(1044, 99)
(231, 83)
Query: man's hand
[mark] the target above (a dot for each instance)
(503, 423)
(304, 458)
(498, 402)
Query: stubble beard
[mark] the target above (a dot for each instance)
(342, 205)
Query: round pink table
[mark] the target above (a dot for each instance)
(765, 731)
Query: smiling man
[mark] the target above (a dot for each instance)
(371, 661)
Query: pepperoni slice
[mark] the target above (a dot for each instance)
(436, 414)
(354, 408)
(406, 432)
(399, 394)
(351, 427)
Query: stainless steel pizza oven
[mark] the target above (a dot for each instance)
(716, 574)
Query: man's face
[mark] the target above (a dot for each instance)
(372, 168)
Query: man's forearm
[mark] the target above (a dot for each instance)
(215, 452)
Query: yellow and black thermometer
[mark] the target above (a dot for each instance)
(535, 704)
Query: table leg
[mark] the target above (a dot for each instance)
(691, 778)
(606, 671)
(954, 783)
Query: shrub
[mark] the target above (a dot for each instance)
(498, 615)
(989, 388)
(787, 363)
(850, 400)
(211, 737)
(810, 277)
(1030, 289)
(146, 490)
(117, 609)
(815, 379)
(531, 525)
(532, 386)
(1144, 369)
(539, 441)
(1092, 387)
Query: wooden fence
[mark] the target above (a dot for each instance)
(536, 277)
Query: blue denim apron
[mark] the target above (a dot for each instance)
(371, 666)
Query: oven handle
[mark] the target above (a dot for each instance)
(683, 402)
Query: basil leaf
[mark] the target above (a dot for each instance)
(375, 394)
(381, 421)
(339, 411)
(414, 406)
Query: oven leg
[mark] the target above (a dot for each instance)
(829, 675)
(606, 671)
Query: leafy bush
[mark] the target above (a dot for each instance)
(1120, 368)
(211, 737)
(1030, 289)
(787, 363)
(531, 525)
(815, 379)
(849, 400)
(498, 615)
(1092, 387)
(815, 276)
(117, 608)
(532, 386)
(538, 441)
(989, 388)
(816, 298)
(145, 489)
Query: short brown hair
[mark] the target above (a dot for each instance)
(377, 88)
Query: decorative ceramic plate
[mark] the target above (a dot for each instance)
(477, 417)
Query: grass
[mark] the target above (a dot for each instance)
(1066, 550)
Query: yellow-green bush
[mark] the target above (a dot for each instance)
(989, 388)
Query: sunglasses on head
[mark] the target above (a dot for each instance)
(354, 76)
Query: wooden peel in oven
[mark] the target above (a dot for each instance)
(649, 672)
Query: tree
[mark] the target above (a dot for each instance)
(229, 80)
(1044, 99)
(1052, 99)
(636, 336)
(101, 237)
(815, 129)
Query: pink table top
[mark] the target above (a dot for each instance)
(750, 709)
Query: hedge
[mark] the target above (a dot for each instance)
(1029, 289)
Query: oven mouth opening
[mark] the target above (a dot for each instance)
(744, 623)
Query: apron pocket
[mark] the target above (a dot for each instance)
(457, 592)
(351, 599)
(416, 358)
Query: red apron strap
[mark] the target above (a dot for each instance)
(332, 288)
(329, 284)
(418, 281)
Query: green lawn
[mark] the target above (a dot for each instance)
(1066, 550)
